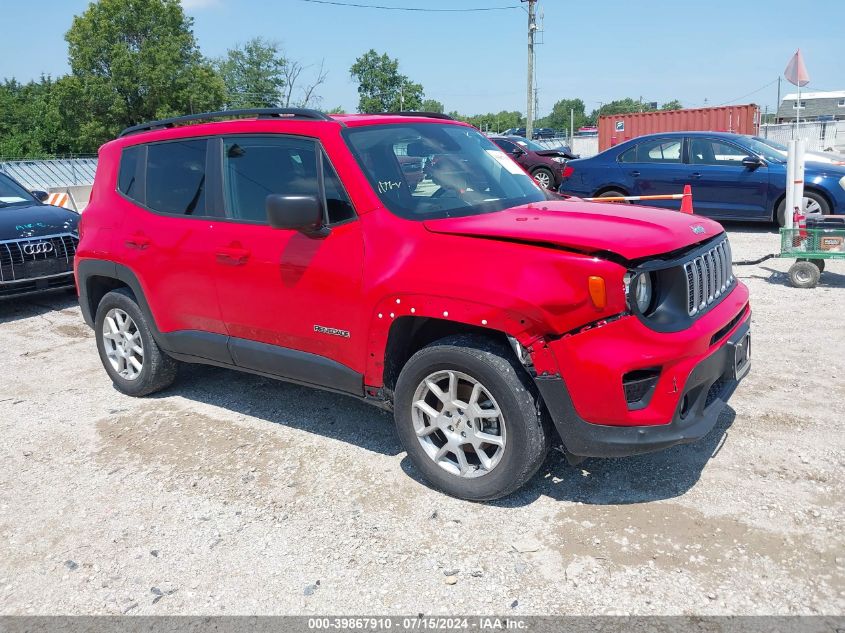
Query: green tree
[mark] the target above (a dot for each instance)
(381, 87)
(492, 121)
(619, 106)
(41, 118)
(561, 115)
(138, 60)
(254, 74)
(432, 105)
(628, 105)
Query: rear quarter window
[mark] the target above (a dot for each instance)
(168, 177)
(128, 179)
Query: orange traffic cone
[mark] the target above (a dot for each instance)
(686, 201)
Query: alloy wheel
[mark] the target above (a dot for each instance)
(812, 207)
(123, 344)
(542, 179)
(458, 423)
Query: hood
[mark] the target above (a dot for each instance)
(555, 152)
(630, 231)
(827, 158)
(35, 220)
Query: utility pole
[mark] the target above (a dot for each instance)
(778, 105)
(532, 27)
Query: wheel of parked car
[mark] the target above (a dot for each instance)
(804, 274)
(613, 193)
(814, 205)
(543, 177)
(132, 358)
(466, 415)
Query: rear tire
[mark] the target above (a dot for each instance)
(128, 351)
(614, 193)
(804, 274)
(436, 421)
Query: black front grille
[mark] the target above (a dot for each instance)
(37, 257)
(708, 276)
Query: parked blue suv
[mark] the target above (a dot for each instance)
(733, 177)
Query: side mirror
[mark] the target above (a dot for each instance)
(39, 195)
(752, 162)
(299, 213)
(517, 152)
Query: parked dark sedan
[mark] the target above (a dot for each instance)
(537, 132)
(37, 241)
(547, 166)
(733, 176)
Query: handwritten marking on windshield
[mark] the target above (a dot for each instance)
(385, 185)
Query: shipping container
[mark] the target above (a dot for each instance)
(617, 128)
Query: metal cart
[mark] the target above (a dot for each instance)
(811, 247)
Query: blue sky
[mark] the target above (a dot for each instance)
(722, 51)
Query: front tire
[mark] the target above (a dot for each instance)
(128, 351)
(468, 416)
(543, 177)
(815, 205)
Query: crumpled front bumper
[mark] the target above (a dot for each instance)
(692, 391)
(709, 386)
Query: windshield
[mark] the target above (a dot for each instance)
(534, 147)
(427, 171)
(767, 141)
(764, 149)
(11, 193)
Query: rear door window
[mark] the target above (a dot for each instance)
(660, 151)
(654, 151)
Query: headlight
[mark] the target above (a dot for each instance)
(642, 291)
(842, 182)
(639, 289)
(559, 159)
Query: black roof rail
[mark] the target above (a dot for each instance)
(261, 113)
(430, 115)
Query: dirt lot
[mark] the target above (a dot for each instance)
(233, 494)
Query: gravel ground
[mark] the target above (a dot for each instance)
(234, 494)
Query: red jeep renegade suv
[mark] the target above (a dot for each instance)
(487, 313)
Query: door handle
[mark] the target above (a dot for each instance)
(695, 174)
(635, 173)
(139, 242)
(232, 256)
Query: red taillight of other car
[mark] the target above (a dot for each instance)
(568, 170)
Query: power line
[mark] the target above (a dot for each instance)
(771, 83)
(417, 9)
